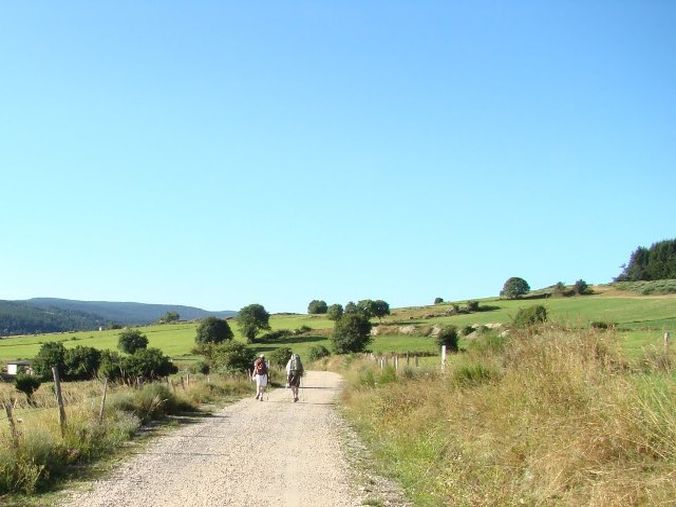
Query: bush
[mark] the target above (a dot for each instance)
(529, 316)
(448, 336)
(598, 324)
(233, 357)
(131, 340)
(51, 354)
(81, 363)
(581, 287)
(201, 367)
(466, 330)
(27, 384)
(275, 335)
(351, 333)
(438, 301)
(280, 356)
(301, 330)
(213, 330)
(317, 352)
(472, 306)
(335, 311)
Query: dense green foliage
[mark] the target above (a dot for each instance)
(581, 288)
(51, 354)
(655, 263)
(351, 333)
(170, 317)
(252, 319)
(317, 307)
(81, 363)
(317, 352)
(438, 301)
(371, 308)
(27, 384)
(530, 316)
(144, 364)
(514, 287)
(132, 340)
(213, 330)
(335, 311)
(280, 356)
(232, 356)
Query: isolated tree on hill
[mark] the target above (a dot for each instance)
(352, 333)
(380, 308)
(131, 340)
(213, 330)
(581, 287)
(514, 287)
(252, 319)
(335, 311)
(438, 301)
(317, 306)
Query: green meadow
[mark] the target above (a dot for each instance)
(641, 321)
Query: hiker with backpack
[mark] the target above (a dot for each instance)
(294, 371)
(260, 376)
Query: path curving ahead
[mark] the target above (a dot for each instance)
(251, 453)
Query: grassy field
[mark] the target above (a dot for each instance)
(641, 321)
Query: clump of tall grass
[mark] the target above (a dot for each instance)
(544, 416)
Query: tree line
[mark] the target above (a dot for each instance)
(655, 263)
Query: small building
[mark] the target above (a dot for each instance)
(14, 367)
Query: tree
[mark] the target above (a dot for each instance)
(252, 319)
(581, 287)
(148, 364)
(352, 333)
(438, 301)
(27, 384)
(530, 316)
(335, 311)
(316, 307)
(514, 287)
(350, 307)
(655, 263)
(213, 330)
(170, 317)
(131, 340)
(366, 307)
(51, 354)
(380, 308)
(280, 356)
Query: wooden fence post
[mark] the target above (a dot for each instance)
(417, 364)
(103, 399)
(59, 400)
(443, 357)
(12, 424)
(667, 336)
(396, 363)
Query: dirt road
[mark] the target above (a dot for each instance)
(252, 453)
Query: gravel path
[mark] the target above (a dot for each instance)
(251, 453)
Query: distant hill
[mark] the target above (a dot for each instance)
(44, 315)
(127, 313)
(18, 317)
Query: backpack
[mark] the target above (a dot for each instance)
(260, 368)
(296, 365)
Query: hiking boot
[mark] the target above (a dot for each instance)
(295, 400)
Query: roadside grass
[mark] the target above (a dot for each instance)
(547, 416)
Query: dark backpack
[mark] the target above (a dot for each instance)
(260, 368)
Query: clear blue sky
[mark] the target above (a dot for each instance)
(218, 154)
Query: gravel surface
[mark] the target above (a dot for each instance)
(251, 453)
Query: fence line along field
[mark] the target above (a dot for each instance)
(638, 318)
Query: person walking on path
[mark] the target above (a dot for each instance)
(294, 372)
(260, 376)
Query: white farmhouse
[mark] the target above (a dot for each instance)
(13, 367)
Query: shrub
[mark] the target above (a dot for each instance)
(275, 335)
(233, 357)
(448, 336)
(201, 367)
(438, 301)
(473, 306)
(81, 363)
(581, 287)
(466, 330)
(597, 324)
(27, 384)
(473, 374)
(51, 354)
(213, 330)
(351, 333)
(529, 316)
(302, 329)
(317, 352)
(131, 340)
(280, 356)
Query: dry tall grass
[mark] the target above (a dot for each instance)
(551, 417)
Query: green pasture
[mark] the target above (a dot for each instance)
(641, 321)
